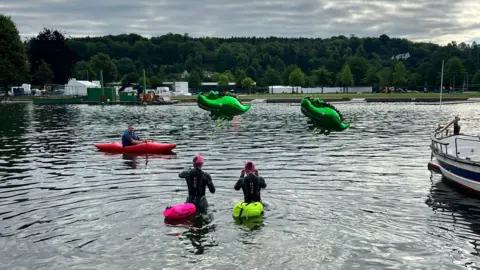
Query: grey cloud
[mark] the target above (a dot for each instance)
(431, 20)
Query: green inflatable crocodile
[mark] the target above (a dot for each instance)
(324, 117)
(221, 106)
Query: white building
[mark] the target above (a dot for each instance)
(286, 89)
(178, 88)
(79, 88)
(216, 83)
(403, 56)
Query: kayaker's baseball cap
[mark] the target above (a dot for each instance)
(198, 161)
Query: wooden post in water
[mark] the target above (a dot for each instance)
(144, 85)
(101, 85)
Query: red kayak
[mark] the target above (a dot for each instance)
(142, 148)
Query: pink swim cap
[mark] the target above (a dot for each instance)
(249, 166)
(198, 161)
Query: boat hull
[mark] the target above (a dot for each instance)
(461, 174)
(143, 148)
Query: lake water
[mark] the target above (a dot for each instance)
(359, 199)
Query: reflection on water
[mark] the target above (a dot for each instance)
(456, 214)
(361, 198)
(251, 223)
(133, 160)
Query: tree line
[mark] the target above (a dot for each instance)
(52, 57)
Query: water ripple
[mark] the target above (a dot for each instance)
(357, 199)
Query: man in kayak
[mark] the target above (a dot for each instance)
(131, 138)
(251, 183)
(197, 181)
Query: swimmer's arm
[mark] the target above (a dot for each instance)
(262, 182)
(210, 185)
(183, 174)
(239, 184)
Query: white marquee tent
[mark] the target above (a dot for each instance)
(79, 88)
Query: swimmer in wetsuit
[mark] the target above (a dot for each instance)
(251, 183)
(197, 181)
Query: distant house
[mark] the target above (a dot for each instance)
(184, 74)
(402, 56)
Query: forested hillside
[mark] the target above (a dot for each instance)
(271, 61)
(335, 61)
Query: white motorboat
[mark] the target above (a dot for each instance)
(457, 157)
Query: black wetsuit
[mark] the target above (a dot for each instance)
(251, 185)
(197, 181)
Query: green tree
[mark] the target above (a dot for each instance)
(358, 67)
(297, 78)
(242, 61)
(83, 71)
(454, 70)
(51, 46)
(470, 67)
(131, 78)
(230, 76)
(385, 75)
(224, 58)
(399, 76)
(155, 82)
(414, 80)
(346, 77)
(360, 51)
(43, 75)
(286, 73)
(13, 60)
(240, 74)
(476, 78)
(279, 65)
(371, 78)
(194, 80)
(223, 81)
(247, 83)
(125, 65)
(147, 82)
(321, 77)
(103, 62)
(272, 77)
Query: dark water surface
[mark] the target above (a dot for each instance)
(359, 199)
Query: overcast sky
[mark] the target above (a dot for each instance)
(439, 21)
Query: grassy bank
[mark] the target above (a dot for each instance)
(349, 96)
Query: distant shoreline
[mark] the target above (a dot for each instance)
(427, 98)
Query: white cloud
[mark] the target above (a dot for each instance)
(439, 21)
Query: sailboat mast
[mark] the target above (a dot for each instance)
(441, 88)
